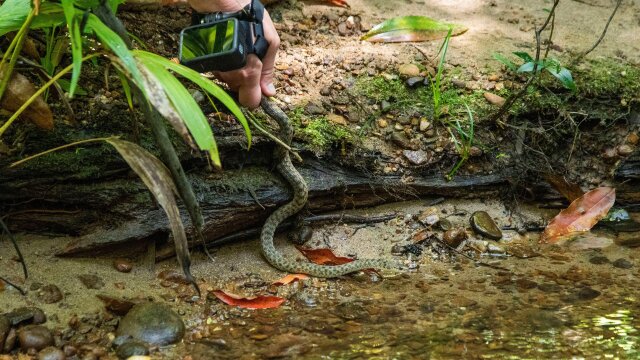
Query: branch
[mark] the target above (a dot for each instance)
(507, 105)
(579, 58)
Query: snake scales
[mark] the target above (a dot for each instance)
(300, 194)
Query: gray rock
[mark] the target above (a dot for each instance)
(153, 323)
(51, 353)
(314, 109)
(34, 337)
(599, 260)
(417, 157)
(484, 225)
(415, 81)
(24, 314)
(131, 348)
(399, 138)
(622, 264)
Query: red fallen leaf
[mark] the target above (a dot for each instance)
(323, 256)
(18, 91)
(581, 215)
(258, 302)
(290, 278)
(565, 188)
(342, 3)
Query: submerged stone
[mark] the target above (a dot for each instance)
(34, 337)
(132, 348)
(153, 323)
(484, 225)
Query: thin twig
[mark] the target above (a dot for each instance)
(507, 105)
(604, 32)
(6, 230)
(2, 278)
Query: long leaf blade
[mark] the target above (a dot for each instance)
(158, 180)
(76, 43)
(206, 84)
(411, 28)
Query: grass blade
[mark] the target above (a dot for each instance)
(412, 28)
(76, 43)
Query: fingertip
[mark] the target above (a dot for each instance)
(268, 88)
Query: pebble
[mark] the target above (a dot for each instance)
(429, 216)
(314, 109)
(34, 337)
(494, 99)
(424, 124)
(633, 138)
(599, 260)
(337, 119)
(400, 139)
(123, 265)
(454, 237)
(624, 150)
(51, 353)
(23, 314)
(416, 157)
(484, 225)
(50, 294)
(622, 264)
(459, 83)
(132, 348)
(408, 70)
(382, 123)
(153, 323)
(91, 281)
(415, 81)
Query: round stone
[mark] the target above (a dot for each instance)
(152, 323)
(51, 353)
(132, 348)
(34, 337)
(484, 225)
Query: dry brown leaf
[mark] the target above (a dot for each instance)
(580, 216)
(19, 90)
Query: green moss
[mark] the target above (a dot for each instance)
(608, 78)
(319, 134)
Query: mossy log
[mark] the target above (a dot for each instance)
(110, 211)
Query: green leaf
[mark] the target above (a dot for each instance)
(505, 61)
(14, 12)
(528, 67)
(175, 103)
(206, 84)
(564, 76)
(115, 43)
(411, 28)
(158, 180)
(76, 43)
(524, 56)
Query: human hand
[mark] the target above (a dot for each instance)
(256, 77)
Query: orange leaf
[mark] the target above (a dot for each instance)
(290, 278)
(258, 302)
(342, 3)
(581, 215)
(323, 256)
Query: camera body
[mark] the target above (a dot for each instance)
(222, 41)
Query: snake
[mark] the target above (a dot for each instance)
(300, 195)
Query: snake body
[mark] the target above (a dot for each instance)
(300, 195)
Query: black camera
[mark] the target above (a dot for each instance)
(222, 41)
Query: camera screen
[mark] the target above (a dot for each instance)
(207, 39)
